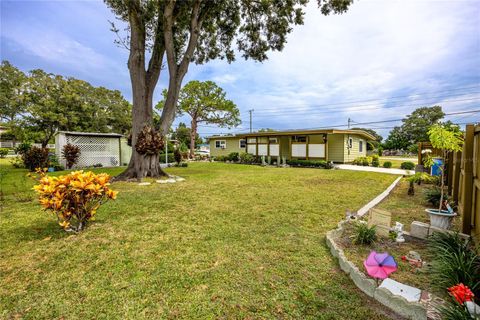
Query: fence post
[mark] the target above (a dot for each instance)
(467, 189)
(457, 158)
(420, 145)
(450, 172)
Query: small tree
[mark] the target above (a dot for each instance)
(448, 139)
(71, 153)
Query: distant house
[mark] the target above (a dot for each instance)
(340, 146)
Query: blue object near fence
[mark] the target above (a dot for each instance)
(437, 167)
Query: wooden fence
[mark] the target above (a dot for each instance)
(463, 178)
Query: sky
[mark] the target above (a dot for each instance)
(378, 61)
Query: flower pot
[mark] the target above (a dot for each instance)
(440, 219)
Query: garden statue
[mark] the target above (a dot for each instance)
(263, 161)
(399, 231)
(351, 215)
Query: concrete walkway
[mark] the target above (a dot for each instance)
(415, 160)
(374, 169)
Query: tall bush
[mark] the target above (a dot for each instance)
(35, 158)
(177, 154)
(71, 153)
(3, 152)
(74, 198)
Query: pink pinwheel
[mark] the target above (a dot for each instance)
(380, 265)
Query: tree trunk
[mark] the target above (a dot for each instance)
(143, 84)
(193, 135)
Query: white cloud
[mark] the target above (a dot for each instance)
(376, 50)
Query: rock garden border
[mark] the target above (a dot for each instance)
(422, 310)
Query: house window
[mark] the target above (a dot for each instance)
(299, 139)
(220, 144)
(360, 146)
(273, 140)
(252, 140)
(242, 144)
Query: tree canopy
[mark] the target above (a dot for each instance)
(414, 128)
(38, 104)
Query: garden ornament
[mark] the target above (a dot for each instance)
(380, 265)
(399, 231)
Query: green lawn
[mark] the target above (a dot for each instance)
(230, 242)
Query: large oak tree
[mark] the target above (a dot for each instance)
(184, 31)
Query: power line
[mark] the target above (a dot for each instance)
(357, 109)
(394, 97)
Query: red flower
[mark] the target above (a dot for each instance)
(404, 258)
(461, 293)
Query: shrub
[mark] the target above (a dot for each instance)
(17, 162)
(420, 177)
(364, 234)
(182, 165)
(35, 158)
(362, 161)
(74, 198)
(3, 152)
(407, 165)
(71, 153)
(387, 164)
(307, 163)
(234, 156)
(246, 158)
(455, 261)
(433, 196)
(22, 148)
(380, 151)
(177, 155)
(221, 158)
(98, 165)
(53, 162)
(170, 158)
(375, 161)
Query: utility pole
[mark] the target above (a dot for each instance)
(250, 111)
(349, 120)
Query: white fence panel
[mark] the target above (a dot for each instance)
(96, 150)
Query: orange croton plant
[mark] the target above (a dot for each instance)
(74, 197)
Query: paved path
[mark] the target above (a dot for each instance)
(374, 169)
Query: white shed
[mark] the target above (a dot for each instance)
(107, 149)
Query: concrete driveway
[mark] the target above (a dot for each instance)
(375, 169)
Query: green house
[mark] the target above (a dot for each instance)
(339, 146)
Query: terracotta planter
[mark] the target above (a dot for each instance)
(442, 219)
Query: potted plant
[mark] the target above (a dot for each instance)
(448, 139)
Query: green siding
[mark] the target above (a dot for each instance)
(336, 147)
(315, 138)
(354, 151)
(284, 146)
(233, 145)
